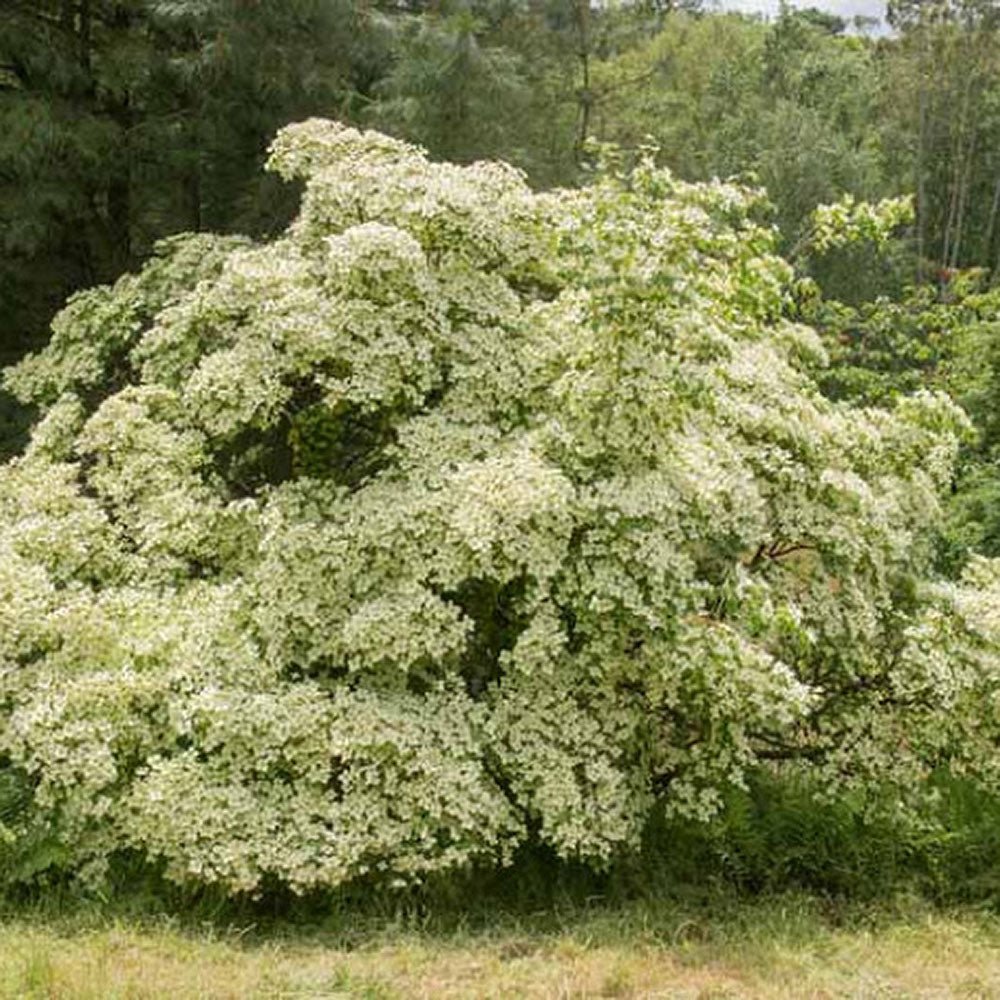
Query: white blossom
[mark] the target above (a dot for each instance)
(457, 515)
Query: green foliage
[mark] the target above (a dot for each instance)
(847, 222)
(451, 93)
(124, 122)
(884, 349)
(943, 338)
(786, 832)
(788, 103)
(459, 520)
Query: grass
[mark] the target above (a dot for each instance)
(789, 946)
(786, 898)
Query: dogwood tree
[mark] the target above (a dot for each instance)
(460, 517)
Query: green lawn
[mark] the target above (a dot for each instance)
(785, 947)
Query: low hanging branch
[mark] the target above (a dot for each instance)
(773, 551)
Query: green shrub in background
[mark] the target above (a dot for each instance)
(943, 337)
(460, 521)
(784, 834)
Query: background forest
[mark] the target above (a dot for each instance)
(124, 121)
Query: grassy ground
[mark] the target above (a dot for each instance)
(790, 946)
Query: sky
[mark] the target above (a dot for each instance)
(846, 9)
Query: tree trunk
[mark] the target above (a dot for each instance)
(119, 186)
(922, 206)
(584, 95)
(85, 35)
(962, 151)
(987, 247)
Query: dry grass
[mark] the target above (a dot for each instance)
(766, 950)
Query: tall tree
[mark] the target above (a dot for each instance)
(450, 89)
(791, 103)
(940, 120)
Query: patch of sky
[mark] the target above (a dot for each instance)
(862, 16)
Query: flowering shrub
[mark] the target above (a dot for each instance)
(458, 517)
(848, 221)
